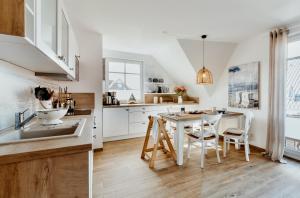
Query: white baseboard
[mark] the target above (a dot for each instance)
(123, 137)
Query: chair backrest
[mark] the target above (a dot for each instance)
(248, 120)
(213, 120)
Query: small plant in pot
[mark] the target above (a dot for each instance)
(44, 95)
(180, 91)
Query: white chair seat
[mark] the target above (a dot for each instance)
(233, 131)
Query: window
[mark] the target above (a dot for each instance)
(292, 124)
(125, 77)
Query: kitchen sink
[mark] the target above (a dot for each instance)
(28, 133)
(37, 132)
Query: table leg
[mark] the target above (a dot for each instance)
(179, 142)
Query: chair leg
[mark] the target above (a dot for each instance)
(249, 152)
(202, 154)
(217, 151)
(246, 144)
(236, 145)
(189, 148)
(224, 147)
(228, 145)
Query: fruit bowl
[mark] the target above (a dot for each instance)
(51, 116)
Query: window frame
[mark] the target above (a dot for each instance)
(125, 61)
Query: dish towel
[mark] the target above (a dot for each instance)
(155, 129)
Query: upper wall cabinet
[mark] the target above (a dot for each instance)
(36, 34)
(47, 26)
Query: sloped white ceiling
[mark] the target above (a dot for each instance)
(154, 27)
(216, 55)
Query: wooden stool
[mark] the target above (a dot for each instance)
(162, 136)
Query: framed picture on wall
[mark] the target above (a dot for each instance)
(243, 86)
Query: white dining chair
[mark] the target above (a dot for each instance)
(207, 136)
(238, 136)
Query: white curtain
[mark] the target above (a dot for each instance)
(278, 60)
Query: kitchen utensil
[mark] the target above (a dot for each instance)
(155, 80)
(51, 116)
(161, 80)
(159, 89)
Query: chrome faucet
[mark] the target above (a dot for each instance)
(20, 120)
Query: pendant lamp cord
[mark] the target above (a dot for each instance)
(203, 54)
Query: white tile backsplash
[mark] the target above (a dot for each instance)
(17, 92)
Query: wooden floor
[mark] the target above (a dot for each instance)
(119, 172)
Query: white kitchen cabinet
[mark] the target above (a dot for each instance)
(43, 40)
(115, 122)
(30, 19)
(136, 118)
(73, 54)
(138, 128)
(46, 32)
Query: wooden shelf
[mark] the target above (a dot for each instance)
(160, 93)
(156, 83)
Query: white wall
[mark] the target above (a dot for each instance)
(90, 75)
(217, 55)
(17, 92)
(256, 49)
(152, 69)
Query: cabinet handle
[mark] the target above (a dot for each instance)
(94, 136)
(127, 110)
(71, 69)
(60, 57)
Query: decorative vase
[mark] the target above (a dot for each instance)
(180, 100)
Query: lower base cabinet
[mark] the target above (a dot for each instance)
(123, 123)
(115, 122)
(59, 176)
(138, 128)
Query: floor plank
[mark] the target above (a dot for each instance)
(119, 172)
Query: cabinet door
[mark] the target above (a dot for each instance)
(139, 116)
(115, 122)
(64, 42)
(63, 34)
(138, 128)
(73, 54)
(30, 20)
(47, 26)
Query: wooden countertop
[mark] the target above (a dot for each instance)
(148, 104)
(191, 117)
(22, 151)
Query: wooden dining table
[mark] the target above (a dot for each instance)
(184, 119)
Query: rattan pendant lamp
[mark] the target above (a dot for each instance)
(204, 76)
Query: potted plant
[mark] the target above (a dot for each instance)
(180, 91)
